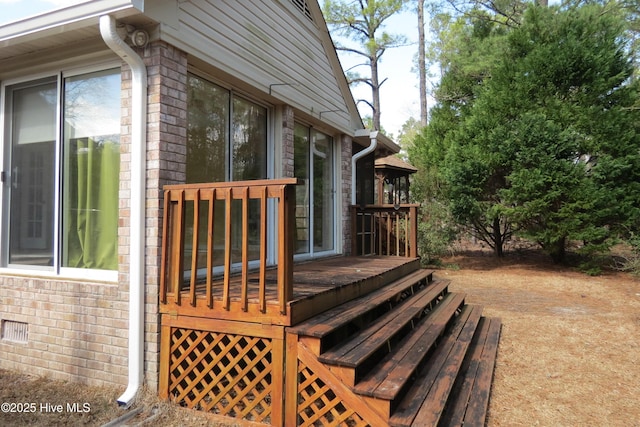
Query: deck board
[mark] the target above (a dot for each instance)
(317, 286)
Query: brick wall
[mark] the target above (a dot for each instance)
(345, 164)
(76, 331)
(166, 164)
(288, 126)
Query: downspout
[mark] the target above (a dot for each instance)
(137, 204)
(370, 149)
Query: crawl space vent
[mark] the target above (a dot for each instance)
(15, 331)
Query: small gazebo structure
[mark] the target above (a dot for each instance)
(392, 180)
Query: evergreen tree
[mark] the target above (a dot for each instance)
(551, 143)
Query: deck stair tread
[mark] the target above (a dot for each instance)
(473, 385)
(337, 317)
(391, 375)
(426, 398)
(362, 345)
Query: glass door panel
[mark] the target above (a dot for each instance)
(301, 170)
(315, 208)
(91, 165)
(323, 210)
(33, 142)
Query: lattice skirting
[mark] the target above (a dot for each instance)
(318, 405)
(238, 370)
(223, 373)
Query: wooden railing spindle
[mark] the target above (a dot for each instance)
(177, 256)
(388, 228)
(262, 297)
(164, 266)
(227, 249)
(406, 234)
(244, 281)
(194, 248)
(210, 248)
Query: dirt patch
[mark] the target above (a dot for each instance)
(569, 352)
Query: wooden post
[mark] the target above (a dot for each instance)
(286, 217)
(278, 379)
(165, 356)
(413, 219)
(354, 231)
(291, 380)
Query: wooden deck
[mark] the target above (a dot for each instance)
(317, 286)
(359, 340)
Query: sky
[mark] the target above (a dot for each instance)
(399, 96)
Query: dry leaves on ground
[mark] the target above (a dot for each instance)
(569, 352)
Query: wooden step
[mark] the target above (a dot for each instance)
(370, 345)
(336, 325)
(395, 371)
(471, 391)
(340, 316)
(425, 399)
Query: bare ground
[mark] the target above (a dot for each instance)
(569, 353)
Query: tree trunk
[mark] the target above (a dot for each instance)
(375, 92)
(422, 71)
(498, 238)
(557, 250)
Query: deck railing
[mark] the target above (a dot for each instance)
(200, 249)
(384, 230)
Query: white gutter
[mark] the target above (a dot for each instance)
(373, 135)
(137, 204)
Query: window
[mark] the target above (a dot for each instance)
(226, 135)
(61, 182)
(226, 141)
(313, 164)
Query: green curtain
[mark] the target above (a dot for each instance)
(92, 216)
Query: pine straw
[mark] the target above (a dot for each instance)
(569, 352)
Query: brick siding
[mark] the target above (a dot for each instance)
(76, 331)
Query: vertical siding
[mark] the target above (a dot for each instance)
(265, 43)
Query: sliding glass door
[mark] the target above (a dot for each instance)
(315, 206)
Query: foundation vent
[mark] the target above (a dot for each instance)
(15, 331)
